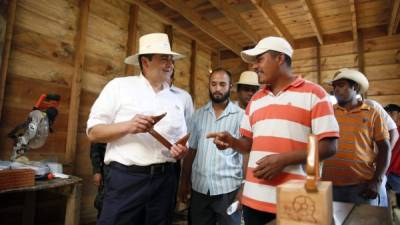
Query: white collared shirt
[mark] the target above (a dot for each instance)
(187, 101)
(123, 98)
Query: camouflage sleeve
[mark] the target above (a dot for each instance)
(97, 151)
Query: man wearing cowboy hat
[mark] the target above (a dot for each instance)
(276, 126)
(142, 179)
(246, 87)
(356, 170)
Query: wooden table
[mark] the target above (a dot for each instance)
(71, 188)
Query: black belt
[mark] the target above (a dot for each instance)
(153, 169)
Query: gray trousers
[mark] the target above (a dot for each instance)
(211, 210)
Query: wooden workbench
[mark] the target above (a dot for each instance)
(71, 188)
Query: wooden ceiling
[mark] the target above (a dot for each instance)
(237, 24)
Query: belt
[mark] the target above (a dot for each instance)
(153, 169)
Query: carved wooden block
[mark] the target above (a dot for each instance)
(296, 206)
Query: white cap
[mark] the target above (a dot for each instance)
(248, 78)
(353, 75)
(269, 43)
(155, 43)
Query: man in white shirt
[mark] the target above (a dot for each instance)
(142, 179)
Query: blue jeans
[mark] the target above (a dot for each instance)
(350, 193)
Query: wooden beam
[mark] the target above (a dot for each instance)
(360, 52)
(216, 59)
(233, 16)
(318, 55)
(170, 32)
(12, 5)
(207, 27)
(353, 11)
(163, 19)
(192, 84)
(266, 10)
(313, 20)
(79, 58)
(394, 17)
(132, 36)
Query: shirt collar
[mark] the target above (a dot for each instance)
(296, 83)
(363, 106)
(230, 108)
(147, 83)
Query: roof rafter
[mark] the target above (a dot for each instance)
(394, 17)
(266, 10)
(236, 19)
(312, 18)
(148, 9)
(204, 25)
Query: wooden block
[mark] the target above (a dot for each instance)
(16, 178)
(298, 207)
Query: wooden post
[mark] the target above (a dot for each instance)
(170, 32)
(73, 113)
(216, 59)
(360, 56)
(192, 86)
(132, 36)
(12, 5)
(318, 52)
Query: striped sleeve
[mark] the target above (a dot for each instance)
(323, 121)
(245, 127)
(380, 128)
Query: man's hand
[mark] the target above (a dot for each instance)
(222, 140)
(371, 190)
(269, 166)
(140, 124)
(178, 151)
(97, 179)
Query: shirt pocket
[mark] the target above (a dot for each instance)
(173, 124)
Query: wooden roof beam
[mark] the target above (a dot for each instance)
(266, 10)
(163, 19)
(312, 18)
(233, 16)
(353, 19)
(394, 17)
(208, 28)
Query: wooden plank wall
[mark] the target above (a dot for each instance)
(42, 61)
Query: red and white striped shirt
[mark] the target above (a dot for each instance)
(281, 123)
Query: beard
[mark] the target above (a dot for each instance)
(217, 99)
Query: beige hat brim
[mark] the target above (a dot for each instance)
(360, 80)
(134, 59)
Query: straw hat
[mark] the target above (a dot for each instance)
(155, 43)
(269, 43)
(248, 78)
(353, 75)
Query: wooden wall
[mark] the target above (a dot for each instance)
(43, 48)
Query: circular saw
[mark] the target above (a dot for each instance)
(34, 131)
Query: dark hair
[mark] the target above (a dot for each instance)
(247, 87)
(219, 69)
(148, 56)
(392, 108)
(274, 54)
